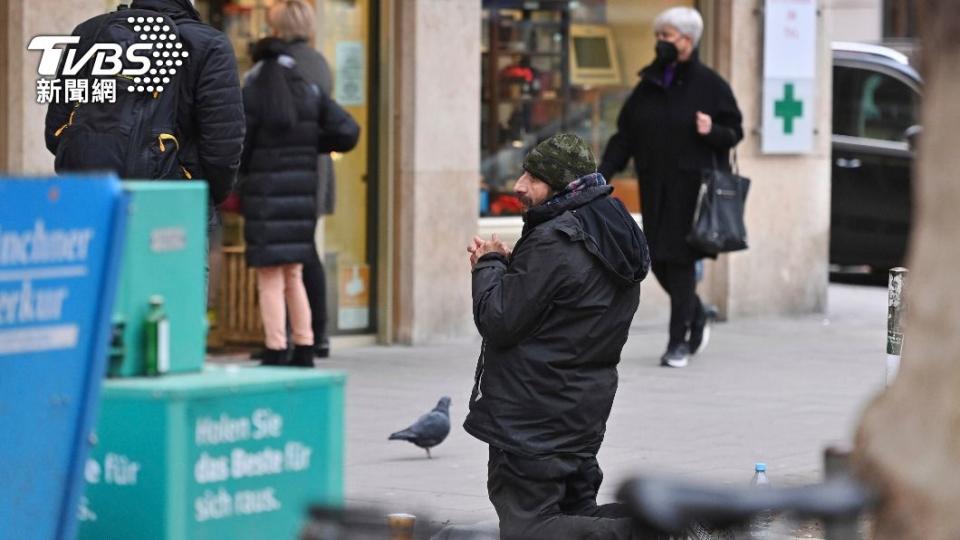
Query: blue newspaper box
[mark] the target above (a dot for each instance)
(59, 256)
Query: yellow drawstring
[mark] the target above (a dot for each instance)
(167, 137)
(186, 173)
(68, 124)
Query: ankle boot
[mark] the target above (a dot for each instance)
(321, 348)
(274, 357)
(302, 356)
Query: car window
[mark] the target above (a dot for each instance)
(871, 104)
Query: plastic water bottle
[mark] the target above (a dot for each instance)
(760, 525)
(760, 476)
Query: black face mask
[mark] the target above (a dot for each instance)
(666, 52)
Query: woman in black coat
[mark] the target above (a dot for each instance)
(680, 119)
(289, 122)
(294, 22)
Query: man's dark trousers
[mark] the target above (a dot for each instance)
(555, 499)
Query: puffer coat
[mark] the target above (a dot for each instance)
(278, 185)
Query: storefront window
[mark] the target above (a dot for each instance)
(551, 66)
(344, 35)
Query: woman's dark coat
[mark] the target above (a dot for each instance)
(279, 171)
(657, 128)
(314, 68)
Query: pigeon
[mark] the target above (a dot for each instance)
(430, 429)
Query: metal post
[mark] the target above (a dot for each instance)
(836, 465)
(895, 314)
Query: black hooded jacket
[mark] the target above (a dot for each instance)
(554, 318)
(210, 122)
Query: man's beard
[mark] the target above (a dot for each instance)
(525, 202)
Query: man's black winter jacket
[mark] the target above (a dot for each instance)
(210, 121)
(554, 319)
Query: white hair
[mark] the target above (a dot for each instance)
(686, 20)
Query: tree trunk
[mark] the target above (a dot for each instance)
(908, 444)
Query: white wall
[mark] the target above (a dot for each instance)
(27, 18)
(855, 20)
(785, 270)
(437, 185)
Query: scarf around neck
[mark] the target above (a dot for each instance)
(578, 185)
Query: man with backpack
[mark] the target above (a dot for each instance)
(191, 128)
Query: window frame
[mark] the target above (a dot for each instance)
(873, 67)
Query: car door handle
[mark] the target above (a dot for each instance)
(844, 163)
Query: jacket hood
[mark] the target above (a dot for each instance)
(605, 227)
(611, 235)
(175, 9)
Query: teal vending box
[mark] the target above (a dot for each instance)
(165, 255)
(230, 452)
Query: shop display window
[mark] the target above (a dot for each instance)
(556, 65)
(345, 35)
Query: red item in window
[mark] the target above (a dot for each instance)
(505, 205)
(517, 72)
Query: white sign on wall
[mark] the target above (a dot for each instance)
(349, 83)
(789, 76)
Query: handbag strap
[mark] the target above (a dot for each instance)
(734, 164)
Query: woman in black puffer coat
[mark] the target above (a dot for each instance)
(289, 122)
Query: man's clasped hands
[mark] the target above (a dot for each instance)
(480, 247)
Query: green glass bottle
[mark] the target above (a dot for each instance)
(117, 351)
(157, 357)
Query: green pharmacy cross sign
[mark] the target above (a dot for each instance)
(790, 82)
(788, 108)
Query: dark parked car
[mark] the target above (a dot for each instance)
(876, 117)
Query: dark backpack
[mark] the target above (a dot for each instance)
(135, 137)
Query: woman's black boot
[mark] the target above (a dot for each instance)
(302, 356)
(322, 348)
(274, 357)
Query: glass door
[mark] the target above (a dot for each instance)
(346, 35)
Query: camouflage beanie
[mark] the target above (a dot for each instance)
(559, 160)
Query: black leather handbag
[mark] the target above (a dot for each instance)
(718, 220)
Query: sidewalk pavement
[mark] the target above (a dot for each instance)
(772, 390)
